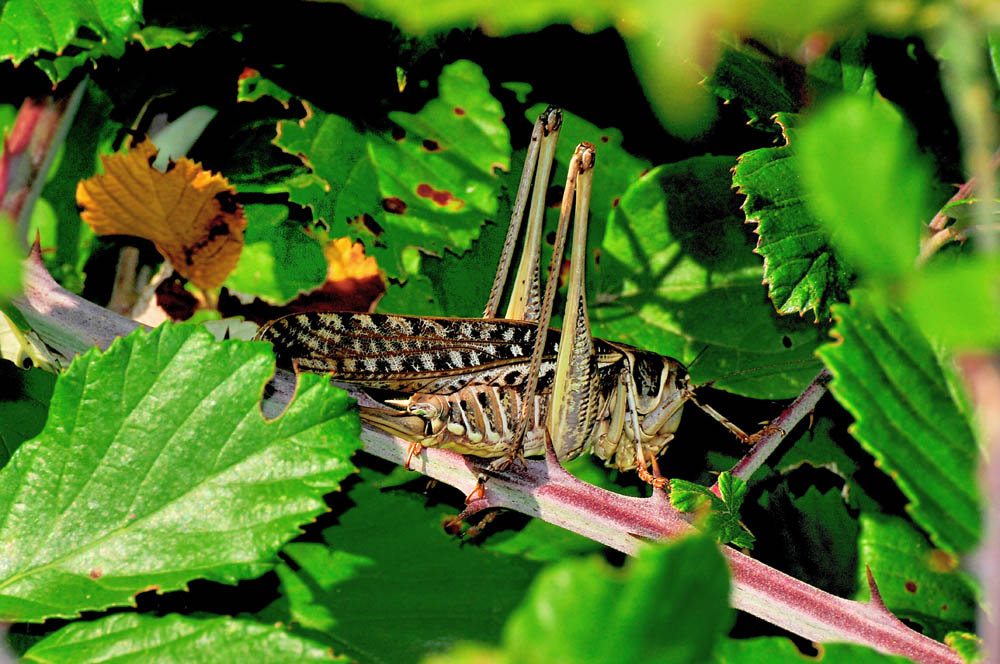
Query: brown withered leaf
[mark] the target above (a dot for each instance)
(190, 214)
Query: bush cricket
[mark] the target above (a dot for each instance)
(505, 387)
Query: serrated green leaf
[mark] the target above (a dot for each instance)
(24, 405)
(956, 303)
(279, 259)
(768, 650)
(888, 377)
(30, 26)
(680, 263)
(733, 490)
(759, 82)
(156, 467)
(388, 544)
(802, 269)
(823, 445)
(865, 181)
(131, 637)
(719, 517)
(682, 587)
(812, 537)
(916, 581)
(430, 186)
(688, 496)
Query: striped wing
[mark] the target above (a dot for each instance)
(409, 353)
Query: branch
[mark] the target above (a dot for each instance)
(939, 234)
(782, 425)
(544, 490)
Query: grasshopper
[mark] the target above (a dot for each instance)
(505, 387)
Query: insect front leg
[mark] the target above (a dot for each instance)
(735, 430)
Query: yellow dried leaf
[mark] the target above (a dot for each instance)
(190, 214)
(347, 260)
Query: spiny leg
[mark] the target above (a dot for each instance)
(655, 479)
(524, 297)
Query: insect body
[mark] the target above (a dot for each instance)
(458, 383)
(498, 387)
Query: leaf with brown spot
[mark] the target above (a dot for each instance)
(190, 214)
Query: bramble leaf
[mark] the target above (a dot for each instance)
(423, 603)
(771, 649)
(889, 378)
(678, 259)
(430, 184)
(802, 269)
(24, 405)
(917, 582)
(758, 82)
(955, 303)
(864, 180)
(30, 26)
(174, 638)
(966, 644)
(156, 467)
(190, 214)
(813, 537)
(719, 517)
(683, 585)
(279, 259)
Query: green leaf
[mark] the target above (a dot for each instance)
(812, 536)
(843, 68)
(11, 257)
(252, 86)
(892, 382)
(802, 269)
(993, 45)
(768, 650)
(131, 637)
(156, 467)
(389, 584)
(92, 133)
(502, 19)
(159, 36)
(24, 405)
(917, 582)
(719, 517)
(431, 185)
(955, 303)
(864, 179)
(760, 83)
(968, 645)
(279, 259)
(679, 260)
(586, 611)
(30, 26)
(823, 445)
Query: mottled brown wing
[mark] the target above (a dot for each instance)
(408, 353)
